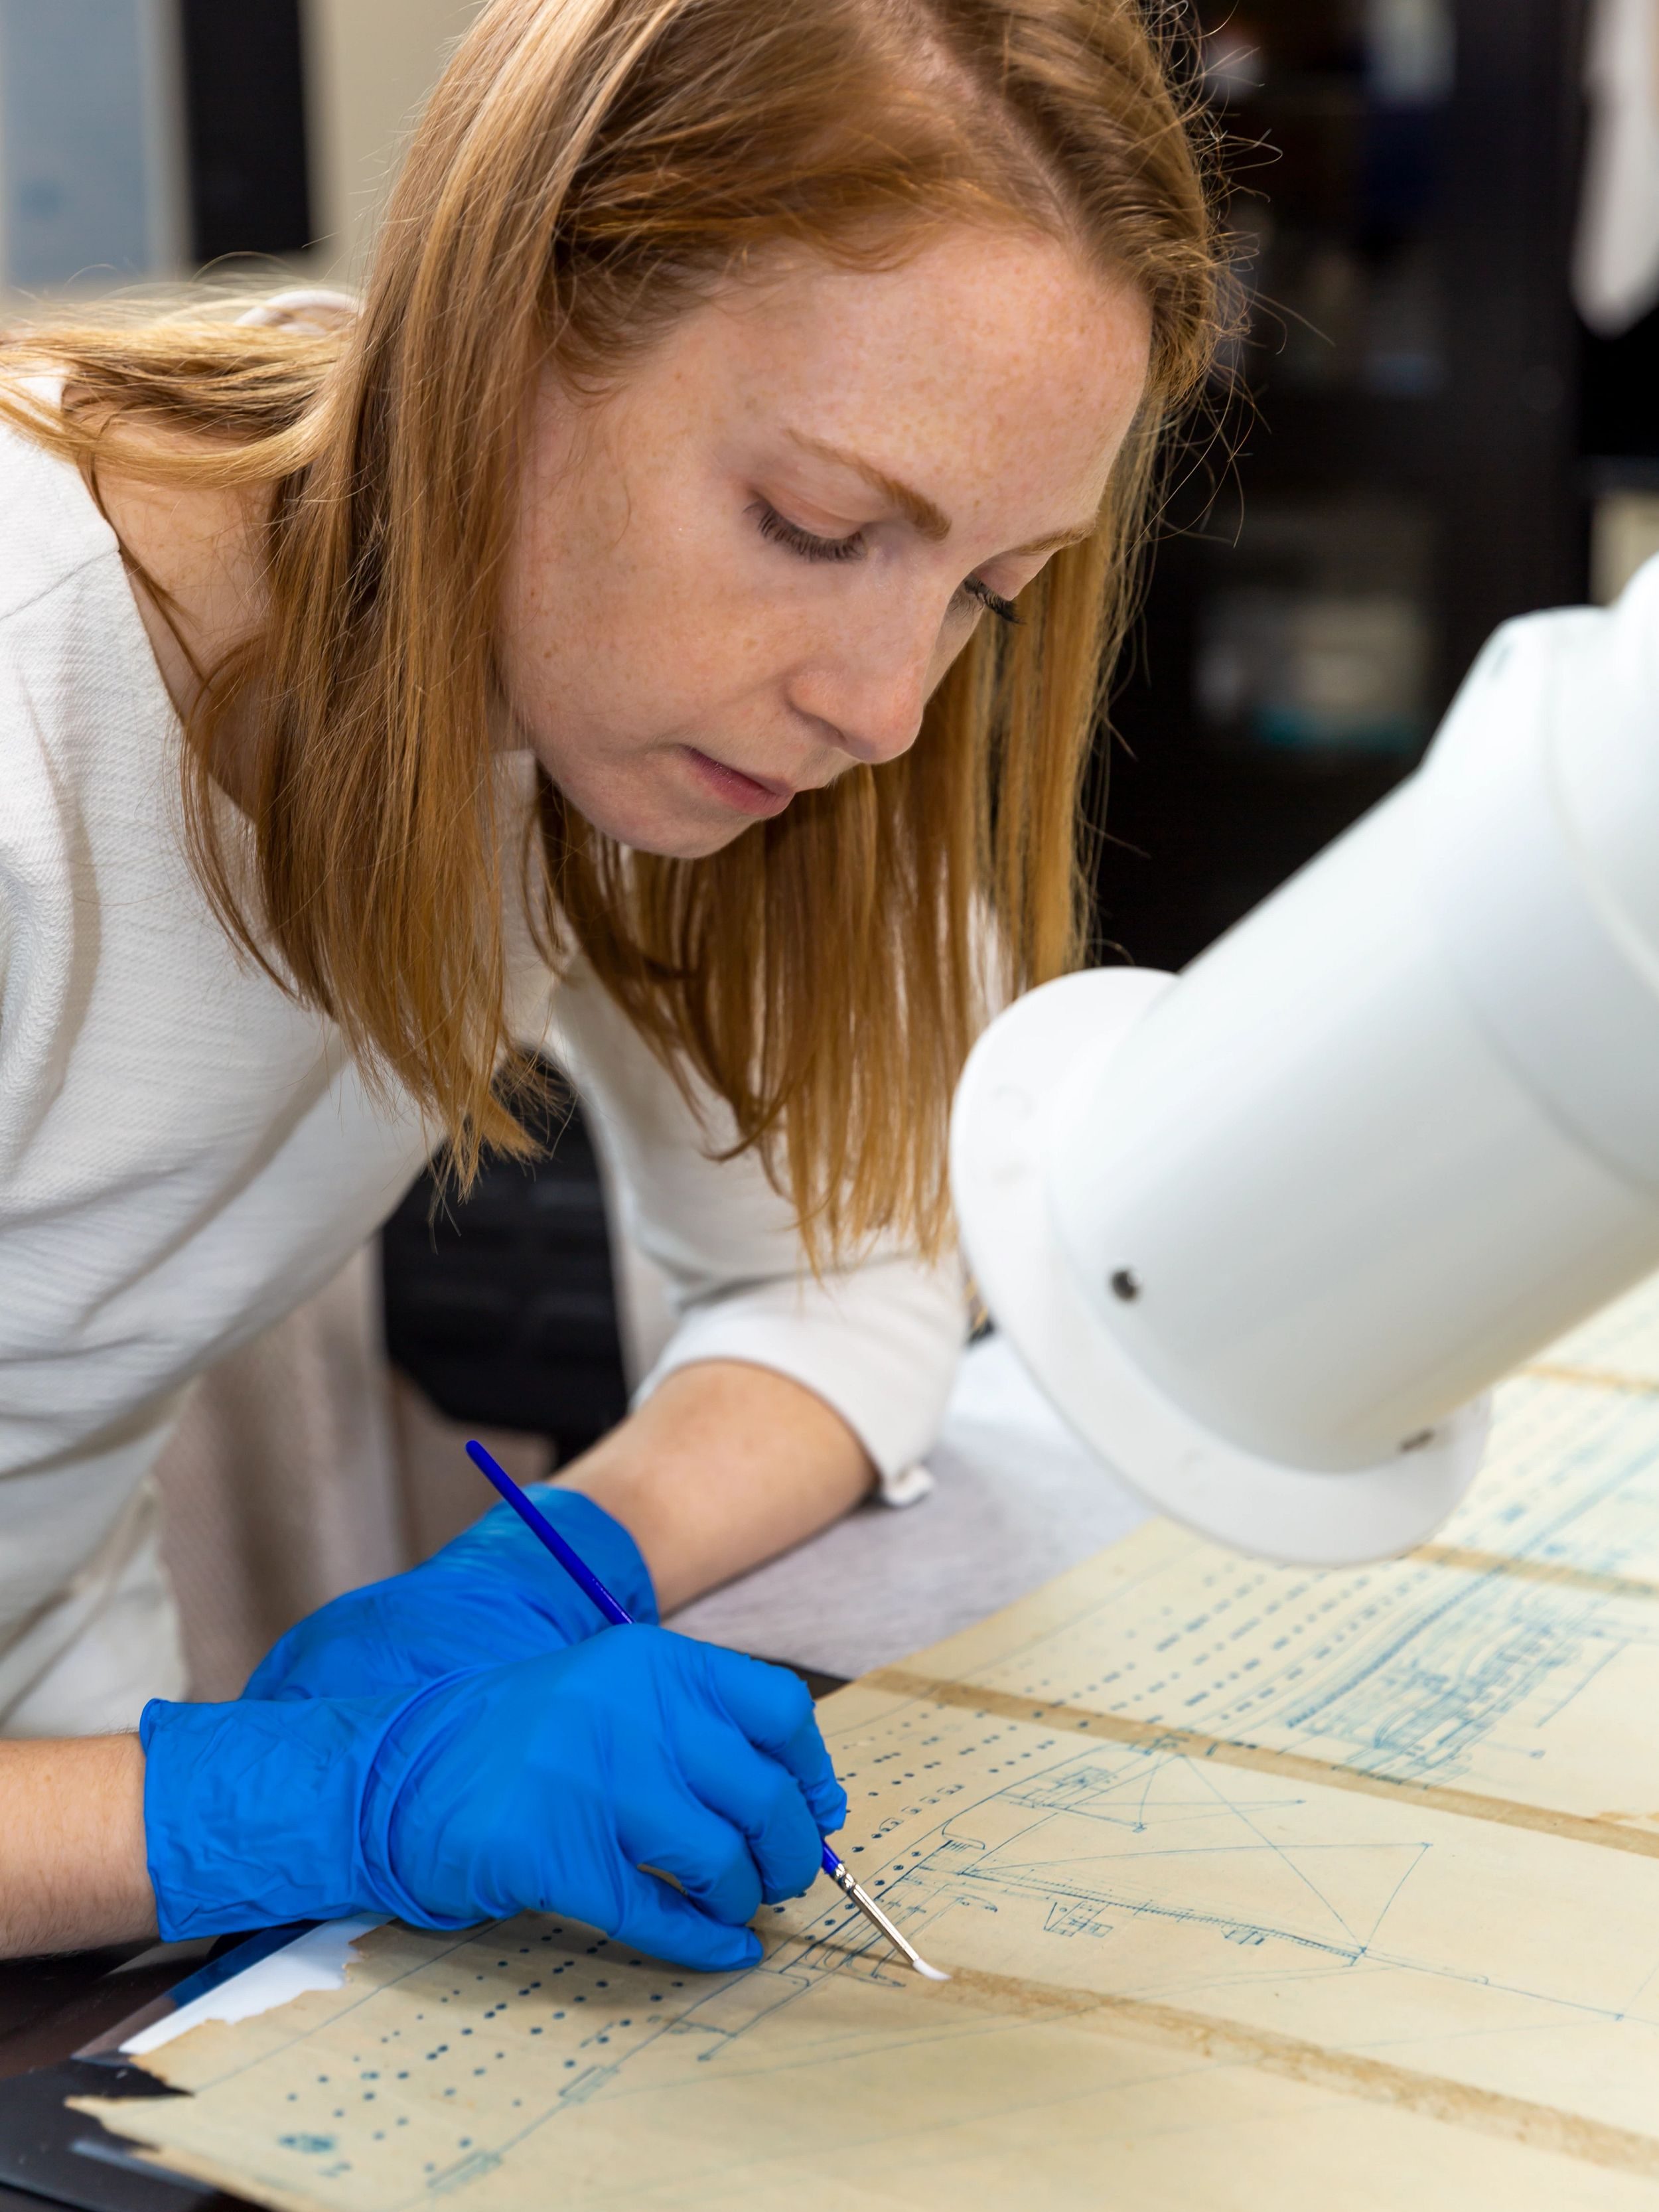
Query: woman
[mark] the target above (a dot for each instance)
(671, 615)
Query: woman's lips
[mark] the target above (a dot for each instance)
(746, 792)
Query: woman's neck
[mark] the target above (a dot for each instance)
(200, 548)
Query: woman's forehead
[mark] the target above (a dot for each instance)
(998, 336)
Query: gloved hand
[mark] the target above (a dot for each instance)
(545, 1785)
(492, 1595)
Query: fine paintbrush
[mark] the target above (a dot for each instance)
(585, 1579)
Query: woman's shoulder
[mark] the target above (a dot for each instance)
(82, 701)
(51, 531)
(85, 723)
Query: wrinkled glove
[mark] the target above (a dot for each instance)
(546, 1785)
(493, 1595)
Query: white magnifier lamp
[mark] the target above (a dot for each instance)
(1267, 1233)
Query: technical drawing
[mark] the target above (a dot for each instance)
(1369, 1860)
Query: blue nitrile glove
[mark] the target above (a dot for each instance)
(545, 1785)
(492, 1595)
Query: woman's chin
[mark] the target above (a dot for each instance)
(665, 833)
(652, 805)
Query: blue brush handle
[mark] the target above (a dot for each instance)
(573, 1562)
(545, 1532)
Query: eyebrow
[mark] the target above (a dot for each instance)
(915, 507)
(931, 521)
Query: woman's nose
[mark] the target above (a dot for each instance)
(870, 700)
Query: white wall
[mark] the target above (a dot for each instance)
(372, 64)
(92, 186)
(91, 166)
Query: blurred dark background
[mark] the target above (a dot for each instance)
(1402, 462)
(1417, 437)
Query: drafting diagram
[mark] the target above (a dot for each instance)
(1258, 1886)
(1517, 1653)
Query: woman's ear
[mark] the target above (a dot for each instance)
(304, 309)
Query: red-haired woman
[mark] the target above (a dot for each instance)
(669, 619)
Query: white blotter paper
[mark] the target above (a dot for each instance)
(316, 1960)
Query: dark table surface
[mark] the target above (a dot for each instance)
(51, 2008)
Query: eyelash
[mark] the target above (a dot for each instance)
(771, 525)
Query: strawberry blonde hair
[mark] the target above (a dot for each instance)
(586, 171)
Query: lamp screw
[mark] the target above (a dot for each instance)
(1420, 1442)
(1126, 1285)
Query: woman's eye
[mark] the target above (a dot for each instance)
(781, 531)
(1001, 607)
(772, 525)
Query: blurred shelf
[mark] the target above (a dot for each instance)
(1408, 179)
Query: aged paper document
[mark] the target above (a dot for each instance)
(1261, 1887)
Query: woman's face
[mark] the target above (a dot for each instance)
(747, 568)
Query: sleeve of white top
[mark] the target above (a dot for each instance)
(878, 1340)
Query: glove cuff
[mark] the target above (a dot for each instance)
(406, 1750)
(601, 1539)
(253, 1811)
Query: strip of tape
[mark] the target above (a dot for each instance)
(1263, 1758)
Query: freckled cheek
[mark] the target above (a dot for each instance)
(948, 647)
(712, 630)
(534, 623)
